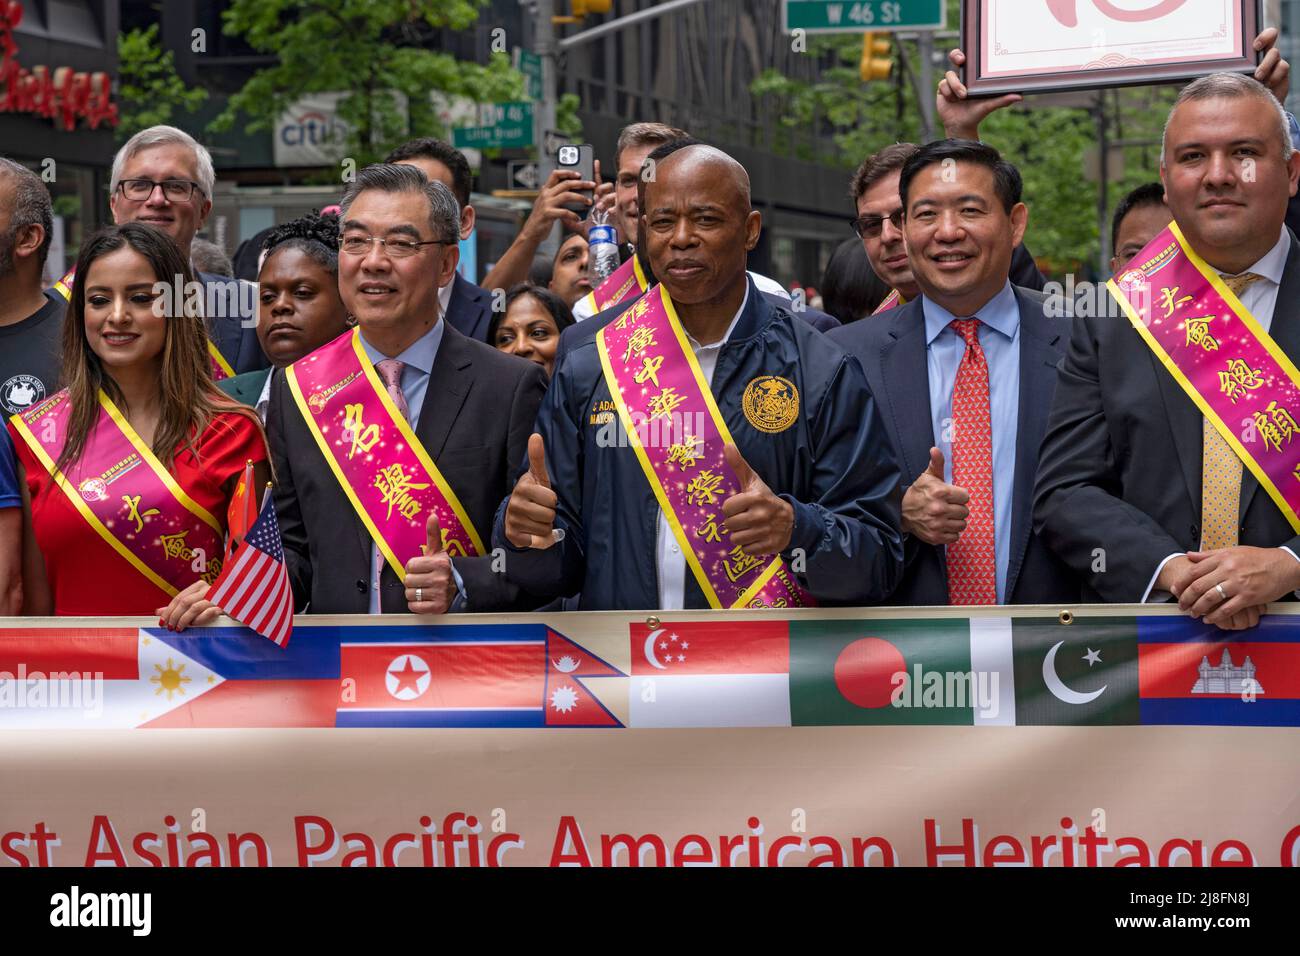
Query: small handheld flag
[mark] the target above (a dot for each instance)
(254, 589)
(242, 512)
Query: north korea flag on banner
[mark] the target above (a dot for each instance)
(507, 675)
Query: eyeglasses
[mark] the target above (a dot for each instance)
(396, 248)
(174, 190)
(868, 227)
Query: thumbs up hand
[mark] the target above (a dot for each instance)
(933, 510)
(758, 521)
(430, 585)
(530, 513)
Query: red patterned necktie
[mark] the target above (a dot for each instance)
(972, 560)
(390, 370)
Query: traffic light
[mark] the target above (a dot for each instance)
(876, 63)
(581, 8)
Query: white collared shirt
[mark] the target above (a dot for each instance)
(670, 562)
(264, 400)
(444, 296)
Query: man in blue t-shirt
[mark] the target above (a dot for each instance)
(11, 531)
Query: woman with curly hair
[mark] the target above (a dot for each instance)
(131, 468)
(299, 308)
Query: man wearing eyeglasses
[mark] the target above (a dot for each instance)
(965, 372)
(162, 177)
(394, 443)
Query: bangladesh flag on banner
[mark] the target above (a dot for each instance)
(1080, 673)
(938, 671)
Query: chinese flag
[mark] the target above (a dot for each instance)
(242, 511)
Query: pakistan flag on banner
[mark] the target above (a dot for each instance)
(1082, 673)
(883, 672)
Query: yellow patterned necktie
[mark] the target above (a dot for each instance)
(1220, 467)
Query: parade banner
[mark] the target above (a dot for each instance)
(1113, 736)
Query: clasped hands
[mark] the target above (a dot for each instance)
(1230, 587)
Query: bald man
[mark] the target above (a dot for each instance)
(705, 448)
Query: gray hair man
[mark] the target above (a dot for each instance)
(163, 177)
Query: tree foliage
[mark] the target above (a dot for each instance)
(1049, 144)
(368, 49)
(150, 92)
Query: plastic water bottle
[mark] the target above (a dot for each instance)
(602, 248)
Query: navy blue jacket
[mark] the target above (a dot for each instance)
(234, 330)
(833, 465)
(469, 310)
(891, 348)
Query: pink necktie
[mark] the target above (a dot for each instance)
(390, 370)
(972, 562)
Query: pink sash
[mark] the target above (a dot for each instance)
(125, 495)
(625, 282)
(386, 473)
(1225, 362)
(653, 375)
(892, 301)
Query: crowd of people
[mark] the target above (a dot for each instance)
(682, 433)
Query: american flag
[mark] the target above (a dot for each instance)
(254, 588)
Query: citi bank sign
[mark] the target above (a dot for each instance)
(312, 128)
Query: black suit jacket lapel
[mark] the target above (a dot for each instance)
(1185, 424)
(1285, 331)
(446, 392)
(1039, 355)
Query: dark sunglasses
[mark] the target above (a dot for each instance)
(868, 227)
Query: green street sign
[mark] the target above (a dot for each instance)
(530, 65)
(838, 16)
(501, 125)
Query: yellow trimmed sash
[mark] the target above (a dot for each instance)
(1239, 378)
(659, 389)
(126, 495)
(378, 461)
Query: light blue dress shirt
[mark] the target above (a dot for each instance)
(999, 337)
(418, 359)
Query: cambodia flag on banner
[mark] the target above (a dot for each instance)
(507, 675)
(1193, 673)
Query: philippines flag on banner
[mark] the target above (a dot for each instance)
(95, 678)
(254, 589)
(506, 675)
(1194, 673)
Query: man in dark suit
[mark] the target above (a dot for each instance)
(466, 306)
(470, 406)
(1137, 490)
(964, 375)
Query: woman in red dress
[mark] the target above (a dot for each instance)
(131, 468)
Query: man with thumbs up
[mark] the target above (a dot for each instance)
(705, 448)
(965, 375)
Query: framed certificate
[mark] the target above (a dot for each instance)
(1021, 46)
